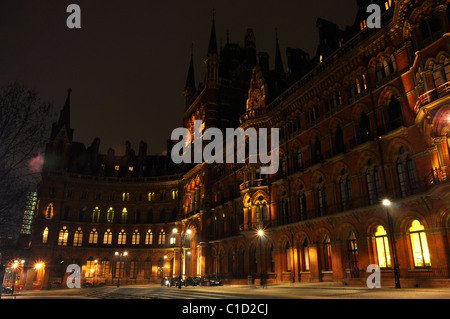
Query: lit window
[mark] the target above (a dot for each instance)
(125, 197)
(162, 237)
(63, 236)
(419, 245)
(352, 252)
(287, 251)
(78, 237)
(124, 217)
(133, 269)
(130, 168)
(173, 240)
(45, 235)
(149, 237)
(49, 211)
(122, 238)
(328, 265)
(120, 265)
(382, 245)
(107, 237)
(116, 167)
(110, 215)
(91, 267)
(96, 215)
(105, 268)
(135, 238)
(93, 236)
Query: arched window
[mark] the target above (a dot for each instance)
(45, 235)
(419, 245)
(107, 237)
(122, 238)
(162, 237)
(321, 199)
(134, 268)
(124, 217)
(137, 216)
(352, 249)
(135, 238)
(339, 140)
(91, 267)
(301, 202)
(305, 256)
(345, 189)
(299, 160)
(364, 127)
(125, 197)
(327, 261)
(407, 176)
(382, 246)
(287, 252)
(373, 184)
(271, 259)
(150, 216)
(96, 215)
(49, 211)
(149, 237)
(317, 151)
(93, 236)
(106, 267)
(395, 114)
(147, 268)
(63, 236)
(78, 237)
(241, 257)
(110, 216)
(285, 210)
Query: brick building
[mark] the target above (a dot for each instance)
(365, 119)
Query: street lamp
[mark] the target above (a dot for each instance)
(261, 235)
(182, 236)
(120, 255)
(387, 203)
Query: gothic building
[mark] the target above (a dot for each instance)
(364, 120)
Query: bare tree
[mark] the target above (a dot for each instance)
(24, 130)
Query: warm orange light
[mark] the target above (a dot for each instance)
(39, 266)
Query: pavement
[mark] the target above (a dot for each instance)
(238, 292)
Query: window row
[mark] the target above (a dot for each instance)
(125, 196)
(95, 216)
(107, 239)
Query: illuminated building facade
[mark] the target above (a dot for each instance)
(366, 119)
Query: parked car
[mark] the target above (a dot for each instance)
(192, 281)
(210, 281)
(6, 290)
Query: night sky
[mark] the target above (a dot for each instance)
(128, 63)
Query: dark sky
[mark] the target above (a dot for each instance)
(128, 63)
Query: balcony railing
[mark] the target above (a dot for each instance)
(254, 183)
(432, 96)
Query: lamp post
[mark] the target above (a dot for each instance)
(120, 255)
(261, 235)
(387, 203)
(182, 236)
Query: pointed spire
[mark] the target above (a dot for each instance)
(212, 48)
(279, 68)
(64, 117)
(190, 81)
